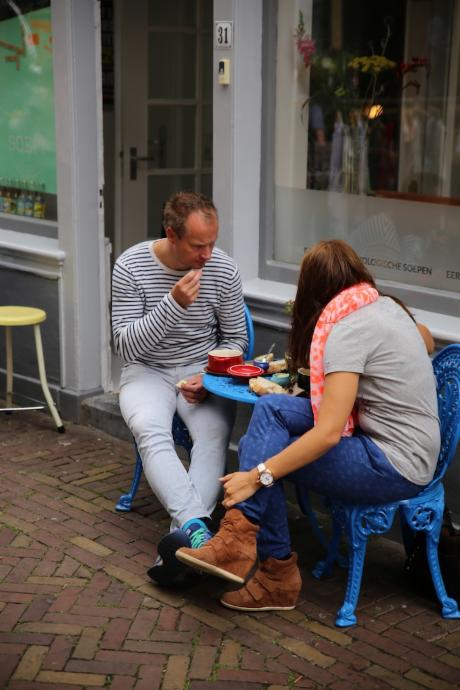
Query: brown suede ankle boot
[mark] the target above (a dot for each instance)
(230, 554)
(275, 586)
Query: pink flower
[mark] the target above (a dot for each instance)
(306, 47)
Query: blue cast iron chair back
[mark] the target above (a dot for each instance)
(423, 512)
(180, 432)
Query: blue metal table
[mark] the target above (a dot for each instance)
(229, 387)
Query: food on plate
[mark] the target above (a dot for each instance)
(276, 366)
(262, 386)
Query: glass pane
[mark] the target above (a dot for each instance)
(172, 136)
(207, 14)
(206, 152)
(367, 136)
(172, 12)
(172, 61)
(28, 183)
(160, 189)
(206, 185)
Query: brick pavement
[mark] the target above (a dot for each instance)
(77, 610)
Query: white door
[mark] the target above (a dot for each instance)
(164, 109)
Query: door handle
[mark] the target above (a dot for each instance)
(133, 161)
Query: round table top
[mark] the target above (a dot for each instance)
(229, 387)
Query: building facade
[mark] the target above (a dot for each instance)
(305, 119)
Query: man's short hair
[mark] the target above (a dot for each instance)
(179, 206)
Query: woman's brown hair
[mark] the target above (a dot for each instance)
(327, 268)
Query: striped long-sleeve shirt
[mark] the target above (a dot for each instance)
(150, 327)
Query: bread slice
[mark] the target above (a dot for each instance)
(262, 386)
(277, 366)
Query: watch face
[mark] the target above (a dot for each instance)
(266, 478)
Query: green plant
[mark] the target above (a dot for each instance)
(341, 82)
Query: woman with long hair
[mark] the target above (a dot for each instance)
(368, 434)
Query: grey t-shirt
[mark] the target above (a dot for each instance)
(397, 405)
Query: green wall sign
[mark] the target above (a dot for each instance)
(27, 134)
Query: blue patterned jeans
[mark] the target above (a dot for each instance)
(355, 470)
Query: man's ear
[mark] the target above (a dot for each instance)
(171, 234)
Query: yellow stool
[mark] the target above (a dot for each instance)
(27, 316)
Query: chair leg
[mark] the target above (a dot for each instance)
(9, 366)
(43, 380)
(449, 608)
(357, 542)
(125, 501)
(324, 567)
(426, 515)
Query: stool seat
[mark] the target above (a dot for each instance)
(21, 316)
(11, 316)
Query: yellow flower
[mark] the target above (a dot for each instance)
(372, 63)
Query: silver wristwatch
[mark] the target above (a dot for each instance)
(266, 478)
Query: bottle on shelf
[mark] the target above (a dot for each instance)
(43, 191)
(29, 201)
(38, 203)
(21, 202)
(14, 196)
(7, 197)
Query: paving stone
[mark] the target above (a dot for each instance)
(80, 679)
(176, 673)
(30, 663)
(230, 653)
(202, 662)
(91, 546)
(88, 643)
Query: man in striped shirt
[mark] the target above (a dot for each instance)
(174, 300)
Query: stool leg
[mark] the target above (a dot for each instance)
(9, 367)
(43, 381)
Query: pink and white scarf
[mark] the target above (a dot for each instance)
(346, 302)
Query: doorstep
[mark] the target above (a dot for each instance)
(103, 412)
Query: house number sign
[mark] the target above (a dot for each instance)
(224, 34)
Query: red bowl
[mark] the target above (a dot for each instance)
(220, 365)
(245, 371)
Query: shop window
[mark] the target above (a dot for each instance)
(27, 131)
(365, 143)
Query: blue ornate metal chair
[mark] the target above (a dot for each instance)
(424, 512)
(180, 432)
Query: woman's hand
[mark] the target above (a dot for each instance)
(239, 486)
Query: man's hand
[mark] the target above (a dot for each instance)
(186, 290)
(239, 486)
(192, 389)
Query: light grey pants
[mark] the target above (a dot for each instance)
(148, 400)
